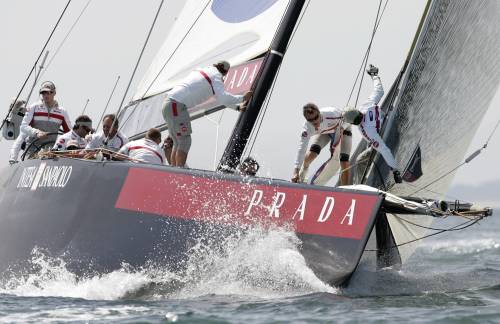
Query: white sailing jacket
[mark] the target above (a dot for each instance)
(39, 117)
(96, 140)
(331, 121)
(200, 85)
(71, 136)
(145, 150)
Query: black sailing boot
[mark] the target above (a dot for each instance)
(397, 176)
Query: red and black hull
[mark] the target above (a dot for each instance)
(98, 216)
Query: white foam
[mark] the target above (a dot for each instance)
(264, 263)
(473, 245)
(53, 279)
(261, 263)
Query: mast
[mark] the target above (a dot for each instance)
(272, 62)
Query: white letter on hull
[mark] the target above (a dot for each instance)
(301, 209)
(278, 201)
(256, 198)
(350, 213)
(329, 203)
(38, 176)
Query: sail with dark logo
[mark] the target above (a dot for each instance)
(414, 169)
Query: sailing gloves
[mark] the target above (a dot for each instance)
(372, 70)
(397, 176)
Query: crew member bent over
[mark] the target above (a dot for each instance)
(76, 137)
(146, 149)
(325, 126)
(196, 88)
(369, 119)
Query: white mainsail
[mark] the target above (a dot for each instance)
(232, 30)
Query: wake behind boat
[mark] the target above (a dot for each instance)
(98, 215)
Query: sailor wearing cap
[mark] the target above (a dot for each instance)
(146, 149)
(200, 85)
(324, 126)
(369, 118)
(82, 127)
(44, 117)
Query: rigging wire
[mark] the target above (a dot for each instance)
(107, 103)
(367, 53)
(458, 227)
(136, 66)
(175, 50)
(36, 62)
(138, 101)
(85, 107)
(37, 77)
(472, 156)
(217, 135)
(263, 112)
(67, 36)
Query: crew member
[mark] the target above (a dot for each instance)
(146, 149)
(110, 137)
(196, 88)
(369, 118)
(76, 137)
(248, 167)
(325, 126)
(168, 145)
(42, 120)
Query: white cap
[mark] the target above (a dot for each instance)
(47, 86)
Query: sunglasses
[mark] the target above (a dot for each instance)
(46, 92)
(312, 120)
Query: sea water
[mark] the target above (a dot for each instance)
(261, 277)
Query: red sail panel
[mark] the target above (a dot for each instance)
(240, 78)
(306, 210)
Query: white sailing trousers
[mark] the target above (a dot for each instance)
(370, 133)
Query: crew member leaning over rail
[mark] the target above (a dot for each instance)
(323, 126)
(199, 86)
(146, 149)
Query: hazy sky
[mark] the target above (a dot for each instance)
(320, 66)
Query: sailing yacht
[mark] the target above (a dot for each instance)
(137, 213)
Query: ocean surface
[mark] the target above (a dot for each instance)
(453, 277)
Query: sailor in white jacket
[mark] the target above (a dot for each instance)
(109, 138)
(146, 149)
(41, 119)
(82, 127)
(196, 88)
(369, 118)
(325, 126)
